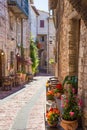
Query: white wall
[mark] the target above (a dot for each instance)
(43, 16)
(33, 24)
(51, 37)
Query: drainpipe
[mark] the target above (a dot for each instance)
(22, 49)
(48, 49)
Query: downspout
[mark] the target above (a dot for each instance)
(16, 67)
(36, 26)
(48, 49)
(58, 44)
(22, 49)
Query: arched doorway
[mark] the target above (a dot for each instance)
(2, 65)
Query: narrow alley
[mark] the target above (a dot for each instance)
(24, 110)
(43, 65)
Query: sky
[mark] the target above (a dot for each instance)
(41, 4)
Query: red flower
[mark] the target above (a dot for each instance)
(59, 86)
(51, 109)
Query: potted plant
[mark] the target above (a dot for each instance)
(50, 95)
(71, 111)
(47, 85)
(52, 116)
(58, 90)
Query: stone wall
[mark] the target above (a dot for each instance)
(10, 35)
(63, 39)
(83, 70)
(7, 36)
(72, 49)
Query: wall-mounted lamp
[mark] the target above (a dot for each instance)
(2, 53)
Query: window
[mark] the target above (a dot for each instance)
(50, 42)
(51, 12)
(42, 23)
(11, 23)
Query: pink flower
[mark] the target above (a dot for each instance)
(71, 113)
(67, 101)
(73, 90)
(80, 103)
(62, 105)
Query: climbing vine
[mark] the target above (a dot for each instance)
(34, 56)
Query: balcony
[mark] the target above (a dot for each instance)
(19, 7)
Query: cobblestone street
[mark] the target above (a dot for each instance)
(24, 110)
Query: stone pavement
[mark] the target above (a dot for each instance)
(24, 110)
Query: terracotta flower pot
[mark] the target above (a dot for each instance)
(52, 125)
(69, 125)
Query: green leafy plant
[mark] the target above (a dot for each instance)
(73, 80)
(51, 61)
(71, 107)
(34, 56)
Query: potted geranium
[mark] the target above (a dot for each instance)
(52, 116)
(50, 95)
(58, 90)
(71, 111)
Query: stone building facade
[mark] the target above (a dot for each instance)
(34, 22)
(70, 18)
(42, 36)
(14, 35)
(51, 45)
(46, 38)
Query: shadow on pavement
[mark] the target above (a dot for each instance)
(6, 93)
